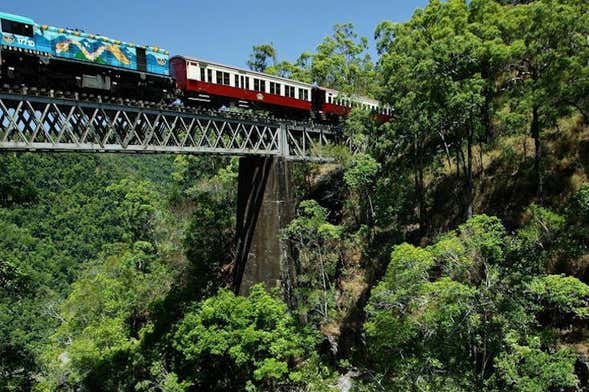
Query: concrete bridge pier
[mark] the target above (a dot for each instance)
(264, 208)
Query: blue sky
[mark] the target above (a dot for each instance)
(221, 30)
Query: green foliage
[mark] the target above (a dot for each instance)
(163, 381)
(110, 265)
(341, 62)
(561, 295)
(360, 177)
(260, 55)
(362, 172)
(580, 204)
(531, 247)
(15, 185)
(56, 216)
(28, 268)
(97, 340)
(317, 243)
(527, 367)
(135, 203)
(231, 342)
(450, 316)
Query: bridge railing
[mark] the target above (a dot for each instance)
(39, 123)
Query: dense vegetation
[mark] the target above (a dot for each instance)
(451, 254)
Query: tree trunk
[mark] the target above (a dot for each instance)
(418, 163)
(457, 161)
(482, 168)
(535, 132)
(469, 179)
(488, 92)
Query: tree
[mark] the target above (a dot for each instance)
(96, 344)
(135, 204)
(316, 242)
(526, 367)
(241, 343)
(260, 57)
(451, 316)
(440, 70)
(548, 37)
(342, 62)
(361, 178)
(15, 183)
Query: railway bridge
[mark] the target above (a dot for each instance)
(38, 123)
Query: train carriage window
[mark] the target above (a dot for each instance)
(274, 88)
(226, 78)
(210, 75)
(247, 83)
(289, 91)
(219, 76)
(237, 81)
(256, 84)
(17, 28)
(202, 74)
(263, 85)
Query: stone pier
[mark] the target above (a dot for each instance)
(265, 206)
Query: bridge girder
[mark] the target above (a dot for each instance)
(38, 123)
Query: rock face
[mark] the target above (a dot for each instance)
(265, 207)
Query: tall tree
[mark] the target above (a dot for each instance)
(342, 62)
(261, 56)
(431, 67)
(548, 36)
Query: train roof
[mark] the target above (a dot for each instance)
(25, 20)
(357, 98)
(17, 18)
(237, 69)
(103, 38)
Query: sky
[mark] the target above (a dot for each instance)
(218, 30)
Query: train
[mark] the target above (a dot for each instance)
(53, 58)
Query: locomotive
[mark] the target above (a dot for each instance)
(47, 57)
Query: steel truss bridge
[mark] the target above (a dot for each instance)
(42, 123)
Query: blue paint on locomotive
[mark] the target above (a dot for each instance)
(74, 45)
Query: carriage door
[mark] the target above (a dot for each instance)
(141, 60)
(317, 99)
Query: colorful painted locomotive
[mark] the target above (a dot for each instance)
(55, 58)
